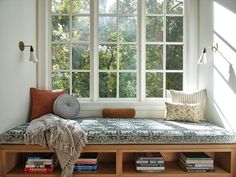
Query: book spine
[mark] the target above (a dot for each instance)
(40, 160)
(196, 161)
(194, 158)
(150, 161)
(86, 161)
(151, 158)
(38, 163)
(92, 167)
(150, 164)
(200, 170)
(199, 162)
(38, 170)
(38, 166)
(150, 168)
(195, 164)
(199, 165)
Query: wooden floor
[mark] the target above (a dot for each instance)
(118, 160)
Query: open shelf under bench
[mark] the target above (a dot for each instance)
(118, 160)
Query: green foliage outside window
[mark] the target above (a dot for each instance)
(117, 49)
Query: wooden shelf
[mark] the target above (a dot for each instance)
(118, 160)
(104, 169)
(172, 168)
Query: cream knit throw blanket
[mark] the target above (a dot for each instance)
(65, 137)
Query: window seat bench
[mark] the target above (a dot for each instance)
(118, 140)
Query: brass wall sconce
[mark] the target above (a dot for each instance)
(32, 57)
(203, 58)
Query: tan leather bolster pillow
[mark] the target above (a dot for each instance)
(119, 113)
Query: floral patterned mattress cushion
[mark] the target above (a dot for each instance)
(138, 131)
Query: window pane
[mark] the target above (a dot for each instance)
(127, 88)
(107, 56)
(127, 6)
(107, 85)
(154, 56)
(60, 6)
(107, 29)
(174, 6)
(154, 6)
(174, 57)
(81, 57)
(61, 80)
(154, 29)
(174, 29)
(127, 54)
(107, 6)
(154, 85)
(80, 28)
(80, 6)
(81, 84)
(174, 81)
(60, 57)
(60, 28)
(127, 29)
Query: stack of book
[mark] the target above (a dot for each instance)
(150, 162)
(196, 162)
(87, 163)
(41, 163)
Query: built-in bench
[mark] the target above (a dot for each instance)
(117, 141)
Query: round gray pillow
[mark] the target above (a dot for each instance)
(66, 106)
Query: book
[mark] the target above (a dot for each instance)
(195, 164)
(38, 166)
(91, 162)
(196, 157)
(199, 170)
(151, 171)
(149, 161)
(85, 168)
(87, 158)
(38, 170)
(150, 164)
(86, 171)
(149, 156)
(196, 169)
(48, 158)
(149, 168)
(38, 163)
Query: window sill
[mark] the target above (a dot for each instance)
(147, 105)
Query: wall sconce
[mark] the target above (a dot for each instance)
(32, 57)
(203, 59)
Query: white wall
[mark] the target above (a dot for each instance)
(217, 24)
(17, 74)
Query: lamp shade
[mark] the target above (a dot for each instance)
(32, 57)
(202, 59)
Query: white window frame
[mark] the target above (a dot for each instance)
(118, 70)
(145, 107)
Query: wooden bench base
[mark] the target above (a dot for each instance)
(118, 160)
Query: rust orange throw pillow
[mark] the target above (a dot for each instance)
(42, 101)
(119, 113)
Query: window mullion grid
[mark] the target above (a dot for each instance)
(117, 56)
(94, 75)
(70, 43)
(49, 69)
(142, 49)
(164, 51)
(185, 49)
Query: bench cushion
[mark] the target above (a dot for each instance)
(139, 131)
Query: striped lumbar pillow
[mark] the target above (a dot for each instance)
(190, 98)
